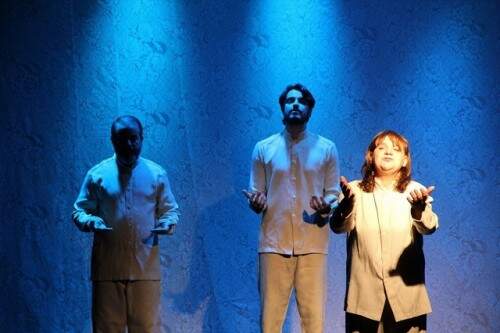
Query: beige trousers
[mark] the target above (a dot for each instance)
(359, 324)
(134, 305)
(279, 274)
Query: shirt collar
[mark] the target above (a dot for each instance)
(382, 187)
(125, 168)
(303, 135)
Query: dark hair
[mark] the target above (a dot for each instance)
(125, 119)
(368, 168)
(308, 97)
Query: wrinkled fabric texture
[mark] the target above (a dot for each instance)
(290, 172)
(278, 275)
(132, 201)
(134, 305)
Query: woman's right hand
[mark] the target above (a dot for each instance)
(349, 197)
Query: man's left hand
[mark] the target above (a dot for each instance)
(320, 205)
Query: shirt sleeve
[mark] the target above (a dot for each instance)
(257, 172)
(428, 222)
(167, 210)
(85, 206)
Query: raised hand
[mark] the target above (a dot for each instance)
(347, 202)
(346, 188)
(320, 205)
(418, 198)
(257, 200)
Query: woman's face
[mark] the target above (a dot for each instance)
(388, 158)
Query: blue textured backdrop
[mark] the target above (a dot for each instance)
(204, 77)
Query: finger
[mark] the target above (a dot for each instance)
(324, 204)
(247, 194)
(100, 225)
(171, 229)
(315, 203)
(262, 199)
(254, 197)
(419, 193)
(423, 194)
(413, 196)
(343, 180)
(344, 186)
(430, 189)
(347, 191)
(158, 231)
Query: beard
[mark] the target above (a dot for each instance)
(288, 120)
(128, 157)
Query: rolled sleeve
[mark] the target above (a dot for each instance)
(257, 172)
(85, 206)
(428, 222)
(331, 186)
(167, 210)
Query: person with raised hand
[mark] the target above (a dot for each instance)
(385, 215)
(294, 185)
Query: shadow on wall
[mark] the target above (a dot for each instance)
(223, 269)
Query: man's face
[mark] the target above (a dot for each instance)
(127, 141)
(295, 110)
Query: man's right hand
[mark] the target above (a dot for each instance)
(98, 225)
(257, 200)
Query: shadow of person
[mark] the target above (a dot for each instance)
(221, 272)
(411, 263)
(197, 299)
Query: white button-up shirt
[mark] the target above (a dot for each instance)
(385, 258)
(290, 172)
(132, 202)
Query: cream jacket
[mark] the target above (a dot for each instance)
(385, 260)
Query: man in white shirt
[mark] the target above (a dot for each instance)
(126, 202)
(294, 183)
